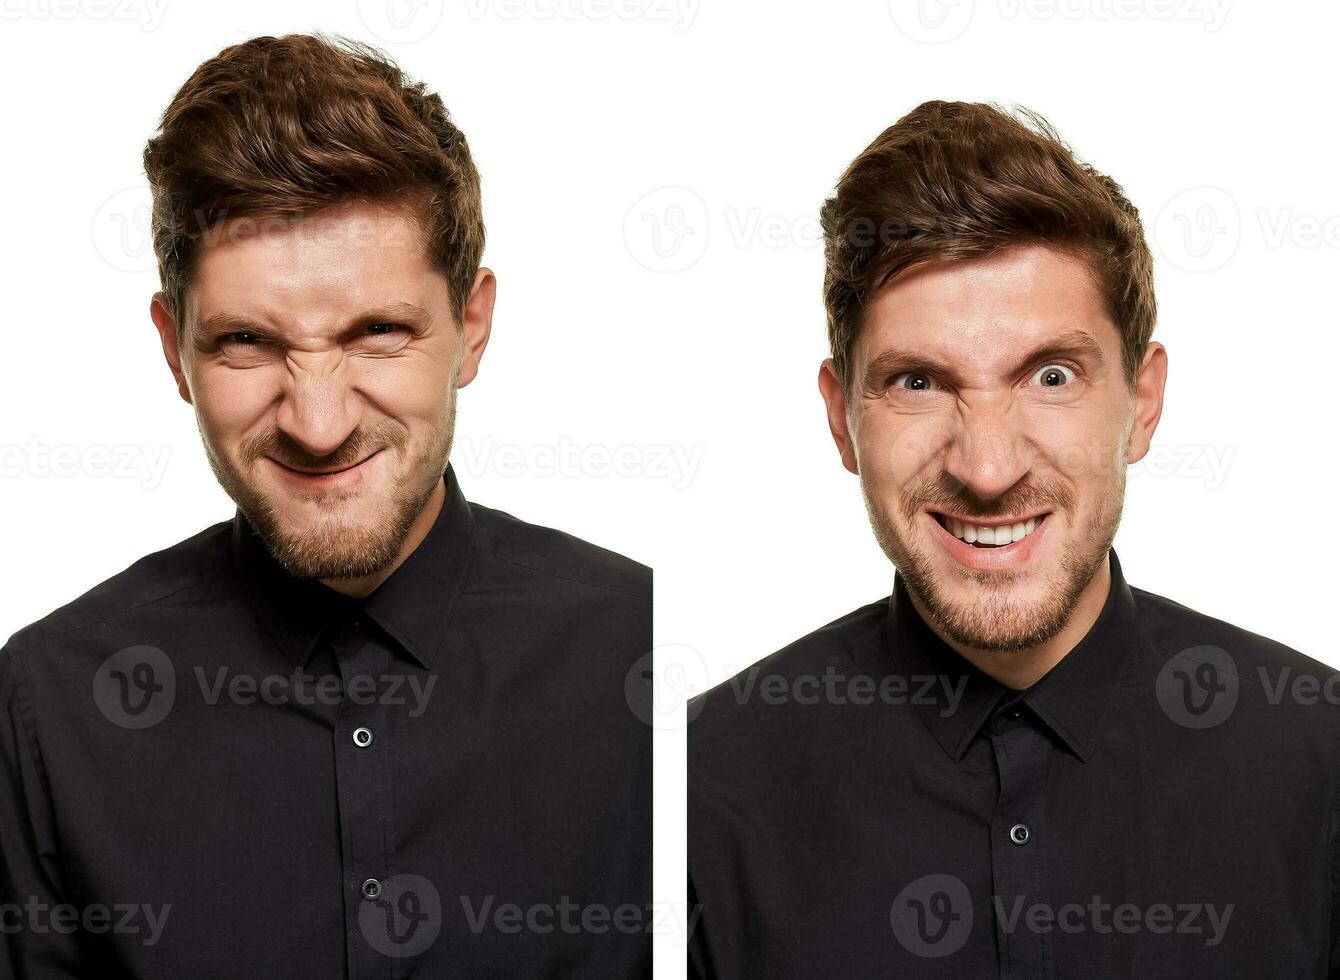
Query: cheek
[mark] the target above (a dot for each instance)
(899, 449)
(411, 390)
(230, 402)
(1084, 448)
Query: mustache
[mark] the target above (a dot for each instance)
(1019, 501)
(283, 448)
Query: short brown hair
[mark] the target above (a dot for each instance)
(288, 126)
(953, 180)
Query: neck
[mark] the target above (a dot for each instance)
(1021, 669)
(359, 588)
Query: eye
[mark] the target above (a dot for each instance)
(1053, 376)
(381, 338)
(913, 381)
(244, 346)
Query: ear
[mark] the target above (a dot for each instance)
(476, 324)
(1149, 385)
(167, 336)
(835, 398)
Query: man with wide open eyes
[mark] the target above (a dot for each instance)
(1016, 764)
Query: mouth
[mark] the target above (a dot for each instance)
(991, 534)
(990, 545)
(328, 478)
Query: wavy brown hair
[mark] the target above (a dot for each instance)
(282, 127)
(953, 180)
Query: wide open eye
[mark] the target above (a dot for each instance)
(914, 381)
(1053, 376)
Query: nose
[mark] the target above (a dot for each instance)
(319, 409)
(988, 452)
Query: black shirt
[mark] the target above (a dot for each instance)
(1163, 803)
(209, 768)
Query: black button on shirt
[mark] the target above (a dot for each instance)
(209, 768)
(1163, 803)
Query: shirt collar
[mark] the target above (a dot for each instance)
(411, 605)
(1071, 699)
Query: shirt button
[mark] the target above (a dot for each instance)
(362, 737)
(1019, 833)
(372, 888)
(1013, 713)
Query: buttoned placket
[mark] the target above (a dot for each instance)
(362, 741)
(1018, 839)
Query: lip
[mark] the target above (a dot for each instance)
(994, 522)
(348, 476)
(1005, 558)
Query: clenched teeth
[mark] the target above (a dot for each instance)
(993, 536)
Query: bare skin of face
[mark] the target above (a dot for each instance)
(322, 358)
(985, 392)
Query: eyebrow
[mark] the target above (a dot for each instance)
(225, 322)
(1075, 343)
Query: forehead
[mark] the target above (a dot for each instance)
(984, 310)
(321, 266)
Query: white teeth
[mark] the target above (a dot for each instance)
(997, 536)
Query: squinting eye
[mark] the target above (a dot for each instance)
(244, 347)
(1053, 376)
(920, 381)
(382, 329)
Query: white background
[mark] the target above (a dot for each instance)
(652, 174)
